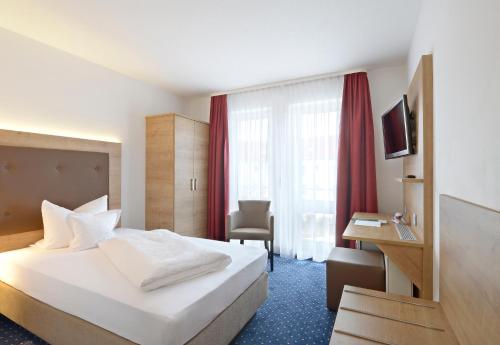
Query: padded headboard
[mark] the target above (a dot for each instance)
(30, 175)
(66, 171)
(469, 285)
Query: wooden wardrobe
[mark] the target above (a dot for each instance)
(176, 174)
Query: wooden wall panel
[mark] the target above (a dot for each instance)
(418, 197)
(469, 270)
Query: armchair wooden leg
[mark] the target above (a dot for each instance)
(266, 246)
(272, 256)
(242, 241)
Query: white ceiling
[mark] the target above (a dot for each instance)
(193, 47)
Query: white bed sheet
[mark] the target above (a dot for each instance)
(87, 285)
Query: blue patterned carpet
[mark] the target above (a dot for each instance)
(294, 313)
(12, 334)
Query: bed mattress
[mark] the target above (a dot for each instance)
(87, 285)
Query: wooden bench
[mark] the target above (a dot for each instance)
(374, 317)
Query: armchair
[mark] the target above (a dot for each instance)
(253, 221)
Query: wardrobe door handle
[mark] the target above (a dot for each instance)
(192, 184)
(195, 184)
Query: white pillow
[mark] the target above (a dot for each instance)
(56, 232)
(95, 206)
(89, 229)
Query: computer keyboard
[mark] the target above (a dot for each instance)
(405, 233)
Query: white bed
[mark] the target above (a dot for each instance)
(87, 285)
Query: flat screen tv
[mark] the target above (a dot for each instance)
(397, 127)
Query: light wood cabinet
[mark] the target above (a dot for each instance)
(201, 177)
(176, 174)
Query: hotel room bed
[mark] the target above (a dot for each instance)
(87, 285)
(80, 298)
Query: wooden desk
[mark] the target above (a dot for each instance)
(374, 317)
(386, 234)
(407, 255)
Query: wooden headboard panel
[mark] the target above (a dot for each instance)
(470, 270)
(66, 171)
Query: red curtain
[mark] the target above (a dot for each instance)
(356, 176)
(218, 169)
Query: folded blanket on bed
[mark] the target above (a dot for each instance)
(152, 259)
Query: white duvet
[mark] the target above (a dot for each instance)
(152, 259)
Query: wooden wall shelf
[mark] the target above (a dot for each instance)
(410, 180)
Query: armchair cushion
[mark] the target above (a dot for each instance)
(254, 214)
(251, 234)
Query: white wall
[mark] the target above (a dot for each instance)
(46, 90)
(463, 37)
(387, 85)
(198, 108)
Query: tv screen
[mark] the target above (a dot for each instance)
(396, 124)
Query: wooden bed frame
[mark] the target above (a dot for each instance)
(58, 327)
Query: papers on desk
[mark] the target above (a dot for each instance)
(375, 223)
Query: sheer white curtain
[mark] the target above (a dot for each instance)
(283, 147)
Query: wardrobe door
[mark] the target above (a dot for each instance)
(201, 178)
(160, 163)
(184, 181)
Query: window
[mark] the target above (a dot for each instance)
(283, 147)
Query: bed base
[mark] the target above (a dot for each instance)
(59, 328)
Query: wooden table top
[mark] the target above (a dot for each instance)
(374, 317)
(385, 234)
